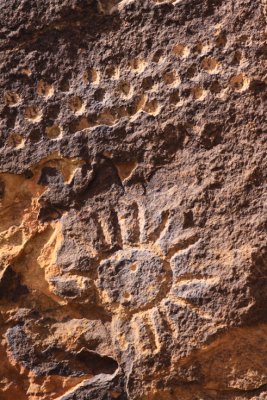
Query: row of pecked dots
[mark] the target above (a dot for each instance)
(31, 113)
(143, 103)
(239, 82)
(34, 115)
(111, 116)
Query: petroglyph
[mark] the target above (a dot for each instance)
(132, 204)
(137, 280)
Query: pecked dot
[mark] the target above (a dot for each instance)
(201, 48)
(126, 296)
(152, 107)
(112, 72)
(137, 105)
(125, 89)
(133, 267)
(99, 94)
(33, 114)
(138, 64)
(210, 65)
(158, 57)
(181, 50)
(106, 117)
(215, 87)
(11, 98)
(76, 105)
(147, 83)
(79, 125)
(199, 93)
(175, 97)
(191, 72)
(171, 78)
(239, 83)
(237, 57)
(53, 131)
(221, 40)
(15, 140)
(91, 75)
(44, 89)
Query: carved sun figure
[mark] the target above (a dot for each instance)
(136, 281)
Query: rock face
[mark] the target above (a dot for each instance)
(133, 213)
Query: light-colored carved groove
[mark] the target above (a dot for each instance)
(144, 335)
(171, 325)
(161, 227)
(181, 302)
(210, 65)
(12, 98)
(161, 327)
(125, 169)
(44, 89)
(15, 140)
(129, 224)
(118, 333)
(239, 83)
(76, 105)
(33, 114)
(182, 244)
(195, 278)
(181, 50)
(103, 233)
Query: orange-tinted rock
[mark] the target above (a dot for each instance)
(133, 252)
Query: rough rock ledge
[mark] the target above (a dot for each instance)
(133, 165)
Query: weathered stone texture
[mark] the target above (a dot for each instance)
(133, 200)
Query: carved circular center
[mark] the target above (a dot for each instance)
(132, 278)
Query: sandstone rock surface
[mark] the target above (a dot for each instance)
(133, 165)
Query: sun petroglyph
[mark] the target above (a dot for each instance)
(136, 281)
